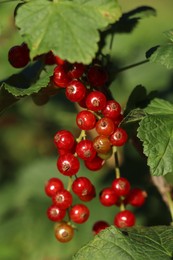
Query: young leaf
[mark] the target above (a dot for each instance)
(68, 28)
(163, 54)
(156, 132)
(140, 243)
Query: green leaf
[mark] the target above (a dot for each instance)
(68, 28)
(156, 132)
(163, 54)
(140, 243)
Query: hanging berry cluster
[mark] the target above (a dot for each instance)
(85, 85)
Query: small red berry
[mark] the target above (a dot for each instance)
(85, 120)
(108, 197)
(81, 186)
(60, 76)
(52, 186)
(105, 126)
(85, 150)
(119, 137)
(49, 58)
(88, 197)
(64, 139)
(79, 213)
(77, 70)
(95, 164)
(68, 164)
(63, 232)
(18, 56)
(62, 199)
(136, 197)
(112, 109)
(102, 144)
(124, 218)
(96, 101)
(97, 76)
(75, 91)
(121, 186)
(54, 213)
(99, 226)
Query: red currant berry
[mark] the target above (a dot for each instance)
(136, 197)
(79, 213)
(121, 186)
(85, 150)
(108, 197)
(81, 186)
(75, 91)
(62, 199)
(60, 76)
(49, 58)
(95, 164)
(52, 186)
(63, 232)
(119, 137)
(105, 126)
(96, 101)
(89, 196)
(68, 164)
(102, 144)
(97, 76)
(99, 226)
(18, 56)
(55, 214)
(77, 70)
(59, 61)
(85, 120)
(124, 219)
(112, 109)
(64, 139)
(118, 120)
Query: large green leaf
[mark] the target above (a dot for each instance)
(156, 133)
(68, 28)
(140, 243)
(163, 54)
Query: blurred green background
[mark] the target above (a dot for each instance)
(28, 156)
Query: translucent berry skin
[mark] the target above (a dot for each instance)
(68, 164)
(88, 197)
(99, 226)
(136, 197)
(95, 164)
(64, 139)
(75, 91)
(81, 186)
(77, 70)
(112, 109)
(121, 186)
(63, 232)
(85, 120)
(124, 219)
(79, 213)
(55, 214)
(60, 76)
(62, 199)
(105, 126)
(97, 76)
(102, 144)
(52, 186)
(108, 197)
(18, 56)
(119, 137)
(85, 150)
(96, 101)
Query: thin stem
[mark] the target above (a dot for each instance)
(132, 66)
(82, 136)
(117, 168)
(70, 181)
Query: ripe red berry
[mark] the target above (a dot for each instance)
(85, 150)
(18, 56)
(124, 218)
(59, 61)
(54, 213)
(52, 186)
(97, 76)
(85, 120)
(81, 186)
(105, 126)
(64, 139)
(99, 226)
(79, 213)
(62, 199)
(60, 76)
(95, 164)
(68, 164)
(136, 197)
(108, 197)
(112, 109)
(75, 91)
(77, 70)
(121, 186)
(96, 101)
(102, 144)
(49, 58)
(119, 137)
(63, 232)
(88, 197)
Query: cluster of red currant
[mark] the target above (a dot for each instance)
(85, 85)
